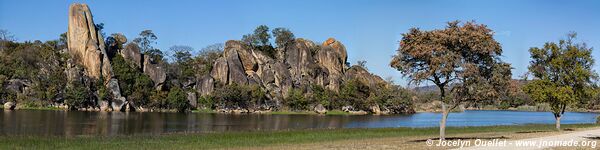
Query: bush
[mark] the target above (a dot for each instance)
(236, 96)
(76, 96)
(355, 94)
(177, 99)
(206, 102)
(158, 99)
(233, 96)
(395, 98)
(295, 100)
(322, 96)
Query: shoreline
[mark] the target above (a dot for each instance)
(306, 112)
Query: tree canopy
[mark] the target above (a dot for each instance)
(464, 58)
(562, 74)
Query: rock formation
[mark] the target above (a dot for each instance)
(302, 63)
(86, 45)
(156, 72)
(147, 65)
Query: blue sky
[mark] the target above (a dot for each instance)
(370, 30)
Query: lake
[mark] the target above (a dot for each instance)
(74, 123)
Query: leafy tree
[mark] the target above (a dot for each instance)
(125, 74)
(182, 63)
(158, 99)
(353, 93)
(77, 96)
(323, 96)
(562, 74)
(145, 41)
(465, 56)
(63, 41)
(236, 96)
(206, 102)
(203, 63)
(393, 97)
(142, 89)
(260, 40)
(283, 37)
(177, 99)
(103, 93)
(181, 53)
(295, 100)
(232, 96)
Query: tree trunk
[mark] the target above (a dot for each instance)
(557, 117)
(445, 112)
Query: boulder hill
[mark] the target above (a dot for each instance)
(300, 64)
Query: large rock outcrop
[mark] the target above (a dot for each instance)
(146, 64)
(86, 45)
(332, 57)
(300, 64)
(156, 72)
(365, 77)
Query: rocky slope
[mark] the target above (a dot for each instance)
(303, 63)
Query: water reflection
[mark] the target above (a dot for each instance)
(73, 123)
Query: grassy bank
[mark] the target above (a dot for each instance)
(249, 139)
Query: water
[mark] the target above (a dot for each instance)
(74, 123)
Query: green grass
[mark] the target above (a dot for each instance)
(247, 139)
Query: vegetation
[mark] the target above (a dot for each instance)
(562, 73)
(448, 58)
(238, 96)
(77, 96)
(177, 99)
(244, 140)
(296, 101)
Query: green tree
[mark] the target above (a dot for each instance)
(76, 96)
(260, 40)
(562, 74)
(203, 62)
(181, 66)
(177, 99)
(460, 55)
(283, 37)
(296, 100)
(145, 41)
(354, 93)
(323, 96)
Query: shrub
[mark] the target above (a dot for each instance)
(322, 96)
(158, 99)
(232, 96)
(76, 96)
(206, 102)
(355, 94)
(177, 99)
(296, 100)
